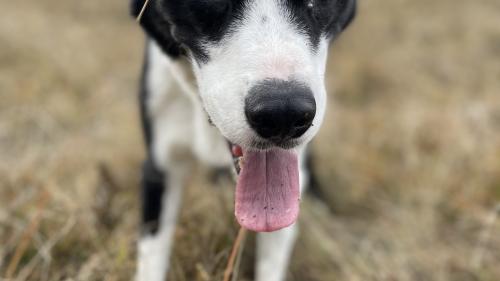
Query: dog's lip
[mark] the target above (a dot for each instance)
(259, 144)
(236, 150)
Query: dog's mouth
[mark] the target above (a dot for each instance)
(267, 192)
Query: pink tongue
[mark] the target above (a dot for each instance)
(267, 193)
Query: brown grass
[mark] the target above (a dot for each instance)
(408, 159)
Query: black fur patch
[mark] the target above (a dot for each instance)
(143, 97)
(153, 188)
(153, 180)
(323, 17)
(178, 26)
(157, 27)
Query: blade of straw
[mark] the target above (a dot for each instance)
(139, 17)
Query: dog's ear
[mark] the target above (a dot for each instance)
(344, 12)
(156, 25)
(348, 13)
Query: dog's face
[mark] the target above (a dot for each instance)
(259, 64)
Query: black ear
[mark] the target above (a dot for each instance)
(348, 13)
(157, 27)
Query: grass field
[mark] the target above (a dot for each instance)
(408, 161)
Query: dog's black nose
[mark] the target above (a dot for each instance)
(280, 110)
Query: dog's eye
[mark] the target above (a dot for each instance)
(209, 13)
(332, 14)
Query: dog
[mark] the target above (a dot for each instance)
(233, 78)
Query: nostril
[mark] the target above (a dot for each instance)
(304, 120)
(260, 117)
(262, 120)
(301, 125)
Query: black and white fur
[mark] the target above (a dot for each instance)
(202, 57)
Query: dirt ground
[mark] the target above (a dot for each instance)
(408, 161)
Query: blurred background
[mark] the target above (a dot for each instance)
(408, 161)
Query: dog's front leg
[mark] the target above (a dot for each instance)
(162, 197)
(165, 113)
(273, 253)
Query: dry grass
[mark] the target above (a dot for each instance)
(408, 160)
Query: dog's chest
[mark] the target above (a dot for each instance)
(177, 115)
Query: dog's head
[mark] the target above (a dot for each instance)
(259, 64)
(260, 69)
